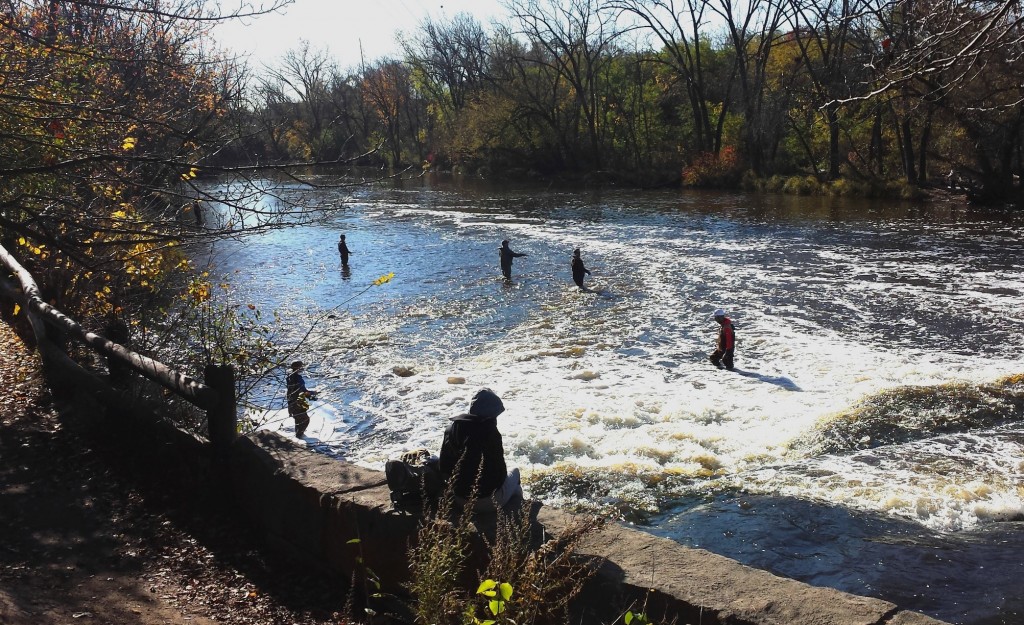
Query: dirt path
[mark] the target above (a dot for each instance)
(82, 544)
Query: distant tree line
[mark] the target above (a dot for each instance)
(654, 91)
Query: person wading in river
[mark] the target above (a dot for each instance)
(506, 255)
(298, 399)
(726, 342)
(344, 251)
(577, 268)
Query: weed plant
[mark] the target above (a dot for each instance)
(539, 574)
(546, 578)
(438, 559)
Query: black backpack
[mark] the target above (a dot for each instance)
(412, 478)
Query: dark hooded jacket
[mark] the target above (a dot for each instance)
(576, 264)
(471, 440)
(505, 254)
(343, 250)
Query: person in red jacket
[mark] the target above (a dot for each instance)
(726, 342)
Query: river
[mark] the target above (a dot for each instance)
(868, 440)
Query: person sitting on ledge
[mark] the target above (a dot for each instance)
(472, 455)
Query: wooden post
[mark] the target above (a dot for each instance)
(222, 418)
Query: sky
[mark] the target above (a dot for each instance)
(342, 26)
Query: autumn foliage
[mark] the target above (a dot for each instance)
(712, 170)
(104, 112)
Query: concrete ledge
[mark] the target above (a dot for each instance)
(312, 507)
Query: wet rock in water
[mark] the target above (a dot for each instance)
(454, 379)
(402, 372)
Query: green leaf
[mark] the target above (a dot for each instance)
(496, 607)
(487, 588)
(353, 541)
(506, 591)
(628, 618)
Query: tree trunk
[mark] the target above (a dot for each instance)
(877, 151)
(833, 142)
(907, 141)
(926, 135)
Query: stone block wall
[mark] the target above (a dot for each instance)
(312, 506)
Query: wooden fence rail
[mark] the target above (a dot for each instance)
(217, 396)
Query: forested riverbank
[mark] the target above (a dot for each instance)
(647, 92)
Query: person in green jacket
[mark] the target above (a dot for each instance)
(298, 398)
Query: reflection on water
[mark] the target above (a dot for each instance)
(611, 403)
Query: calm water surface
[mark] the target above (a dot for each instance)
(915, 497)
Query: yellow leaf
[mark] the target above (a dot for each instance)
(17, 309)
(384, 279)
(128, 144)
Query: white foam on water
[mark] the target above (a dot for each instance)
(325, 424)
(948, 483)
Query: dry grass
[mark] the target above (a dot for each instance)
(545, 572)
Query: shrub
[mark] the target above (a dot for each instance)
(845, 187)
(775, 184)
(545, 577)
(802, 185)
(750, 181)
(712, 170)
(438, 560)
(901, 190)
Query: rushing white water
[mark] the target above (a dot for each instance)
(610, 400)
